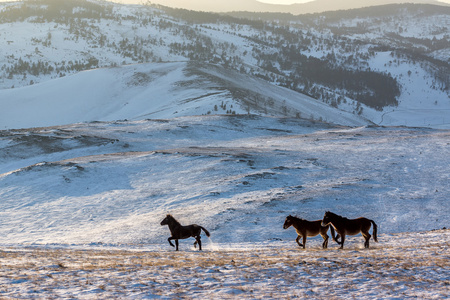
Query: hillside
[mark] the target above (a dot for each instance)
(158, 90)
(113, 182)
(81, 207)
(387, 65)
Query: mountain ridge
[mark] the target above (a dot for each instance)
(316, 6)
(387, 64)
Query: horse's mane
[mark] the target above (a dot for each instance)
(173, 219)
(336, 215)
(297, 218)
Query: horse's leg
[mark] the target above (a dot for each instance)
(199, 241)
(304, 241)
(366, 236)
(298, 241)
(170, 241)
(342, 241)
(325, 240)
(176, 243)
(337, 238)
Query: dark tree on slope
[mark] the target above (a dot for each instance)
(374, 89)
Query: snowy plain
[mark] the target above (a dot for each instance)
(81, 207)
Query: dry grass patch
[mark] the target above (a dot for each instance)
(286, 271)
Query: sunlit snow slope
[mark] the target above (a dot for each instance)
(165, 90)
(239, 176)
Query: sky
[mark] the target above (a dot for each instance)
(284, 1)
(265, 1)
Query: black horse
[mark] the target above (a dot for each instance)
(180, 232)
(344, 226)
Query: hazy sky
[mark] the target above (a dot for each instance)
(284, 1)
(266, 1)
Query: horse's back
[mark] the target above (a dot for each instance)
(313, 228)
(321, 229)
(355, 226)
(364, 221)
(187, 231)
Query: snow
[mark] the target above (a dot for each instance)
(154, 90)
(92, 162)
(423, 100)
(81, 207)
(422, 107)
(406, 266)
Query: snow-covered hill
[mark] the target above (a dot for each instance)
(163, 90)
(331, 57)
(239, 176)
(128, 144)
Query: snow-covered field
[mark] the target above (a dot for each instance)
(402, 266)
(81, 206)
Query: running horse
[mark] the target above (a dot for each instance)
(306, 228)
(180, 232)
(344, 226)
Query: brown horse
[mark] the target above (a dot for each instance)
(180, 232)
(345, 226)
(306, 228)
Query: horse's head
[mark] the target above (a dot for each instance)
(288, 222)
(326, 218)
(166, 220)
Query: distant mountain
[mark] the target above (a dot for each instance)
(302, 8)
(386, 64)
(332, 5)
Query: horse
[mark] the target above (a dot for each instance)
(306, 228)
(344, 226)
(179, 231)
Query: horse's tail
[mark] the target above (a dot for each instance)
(206, 231)
(374, 231)
(333, 234)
